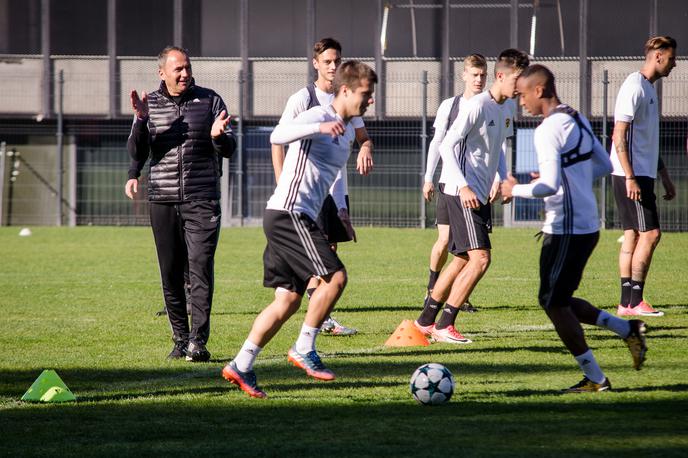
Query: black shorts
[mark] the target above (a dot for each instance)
(562, 260)
(296, 251)
(442, 213)
(640, 215)
(468, 228)
(329, 222)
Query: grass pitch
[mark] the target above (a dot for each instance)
(82, 301)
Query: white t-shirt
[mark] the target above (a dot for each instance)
(566, 185)
(637, 104)
(297, 104)
(312, 162)
(472, 151)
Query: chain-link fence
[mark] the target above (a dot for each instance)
(95, 161)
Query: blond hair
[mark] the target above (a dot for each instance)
(659, 43)
(476, 61)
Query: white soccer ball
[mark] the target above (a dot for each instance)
(432, 384)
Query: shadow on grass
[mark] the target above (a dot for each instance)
(539, 424)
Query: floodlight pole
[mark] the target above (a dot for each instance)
(310, 38)
(446, 68)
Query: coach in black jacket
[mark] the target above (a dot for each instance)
(183, 128)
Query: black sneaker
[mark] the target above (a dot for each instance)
(179, 351)
(197, 353)
(588, 386)
(467, 307)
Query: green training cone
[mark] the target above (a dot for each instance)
(48, 387)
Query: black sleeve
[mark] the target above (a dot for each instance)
(135, 168)
(225, 144)
(138, 143)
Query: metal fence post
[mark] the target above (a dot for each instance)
(605, 139)
(3, 149)
(60, 144)
(240, 150)
(423, 143)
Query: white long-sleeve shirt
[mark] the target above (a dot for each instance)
(312, 161)
(297, 104)
(472, 151)
(566, 184)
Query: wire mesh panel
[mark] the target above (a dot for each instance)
(86, 85)
(20, 91)
(404, 89)
(273, 81)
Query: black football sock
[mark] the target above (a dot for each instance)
(448, 316)
(432, 279)
(625, 291)
(430, 310)
(636, 292)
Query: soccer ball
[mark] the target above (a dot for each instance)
(432, 384)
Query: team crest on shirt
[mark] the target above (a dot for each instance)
(491, 124)
(508, 122)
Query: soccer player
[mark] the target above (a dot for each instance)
(334, 217)
(320, 143)
(569, 159)
(472, 151)
(474, 77)
(636, 161)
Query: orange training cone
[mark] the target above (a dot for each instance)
(407, 335)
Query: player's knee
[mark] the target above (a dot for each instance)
(652, 236)
(482, 260)
(631, 238)
(338, 279)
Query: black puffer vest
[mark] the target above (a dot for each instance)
(184, 162)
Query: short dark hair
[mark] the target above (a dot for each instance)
(324, 44)
(546, 74)
(162, 57)
(662, 42)
(350, 74)
(512, 59)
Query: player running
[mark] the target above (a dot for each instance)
(320, 143)
(570, 158)
(334, 217)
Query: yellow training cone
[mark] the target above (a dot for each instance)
(48, 387)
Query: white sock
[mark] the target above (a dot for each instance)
(306, 341)
(590, 368)
(621, 327)
(246, 356)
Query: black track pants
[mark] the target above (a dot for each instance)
(187, 233)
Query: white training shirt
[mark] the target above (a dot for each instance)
(570, 203)
(297, 104)
(312, 162)
(440, 126)
(637, 104)
(472, 151)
